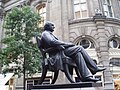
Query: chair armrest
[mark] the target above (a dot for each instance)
(60, 48)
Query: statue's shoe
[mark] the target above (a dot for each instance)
(98, 70)
(90, 79)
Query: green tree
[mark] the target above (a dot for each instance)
(21, 26)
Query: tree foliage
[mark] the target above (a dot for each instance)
(21, 26)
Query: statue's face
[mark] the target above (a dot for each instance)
(49, 26)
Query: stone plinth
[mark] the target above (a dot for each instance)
(72, 86)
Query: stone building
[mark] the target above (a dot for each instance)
(94, 24)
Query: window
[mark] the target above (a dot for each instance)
(113, 43)
(107, 6)
(115, 61)
(42, 12)
(119, 3)
(80, 9)
(86, 43)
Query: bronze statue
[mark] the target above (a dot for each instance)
(83, 61)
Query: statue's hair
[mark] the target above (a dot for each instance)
(47, 25)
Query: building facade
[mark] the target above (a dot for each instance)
(94, 24)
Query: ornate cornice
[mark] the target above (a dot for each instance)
(74, 21)
(99, 18)
(113, 21)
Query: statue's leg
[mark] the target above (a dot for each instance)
(44, 72)
(55, 77)
(67, 73)
(70, 69)
(78, 74)
(90, 63)
(81, 65)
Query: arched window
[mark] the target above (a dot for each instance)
(86, 43)
(41, 9)
(113, 43)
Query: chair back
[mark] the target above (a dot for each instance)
(39, 44)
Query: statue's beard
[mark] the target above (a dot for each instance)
(51, 30)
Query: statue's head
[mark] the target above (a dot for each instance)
(49, 26)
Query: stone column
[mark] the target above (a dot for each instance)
(102, 50)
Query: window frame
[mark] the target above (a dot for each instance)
(43, 8)
(91, 43)
(107, 8)
(80, 11)
(112, 47)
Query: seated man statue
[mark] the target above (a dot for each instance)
(85, 64)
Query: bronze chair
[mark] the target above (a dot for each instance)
(67, 63)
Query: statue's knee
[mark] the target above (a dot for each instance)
(81, 47)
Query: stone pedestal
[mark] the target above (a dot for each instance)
(72, 86)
